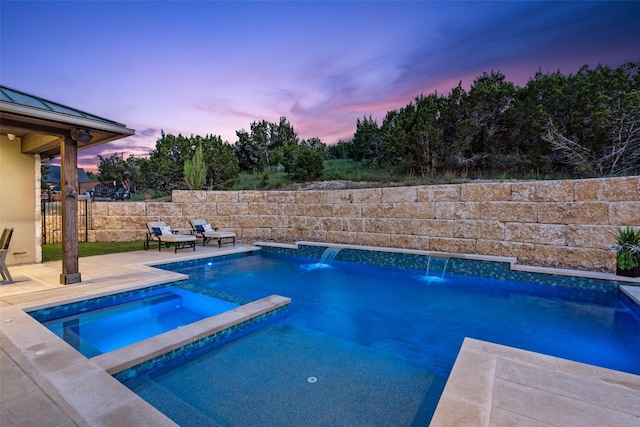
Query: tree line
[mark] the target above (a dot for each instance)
(196, 162)
(580, 125)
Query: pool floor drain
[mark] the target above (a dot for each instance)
(312, 379)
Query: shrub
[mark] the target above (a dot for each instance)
(195, 170)
(303, 163)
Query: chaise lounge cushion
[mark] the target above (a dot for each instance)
(161, 233)
(177, 238)
(166, 231)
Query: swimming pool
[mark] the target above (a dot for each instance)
(371, 345)
(105, 324)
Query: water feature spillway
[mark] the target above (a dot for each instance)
(435, 270)
(329, 255)
(325, 261)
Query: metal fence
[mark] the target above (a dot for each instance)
(52, 221)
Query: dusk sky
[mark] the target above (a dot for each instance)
(209, 67)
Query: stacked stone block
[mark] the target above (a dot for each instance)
(549, 223)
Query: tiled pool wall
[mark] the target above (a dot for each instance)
(459, 266)
(202, 345)
(189, 285)
(195, 287)
(72, 308)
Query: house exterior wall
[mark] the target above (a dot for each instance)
(547, 223)
(19, 209)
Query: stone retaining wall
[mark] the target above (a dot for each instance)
(549, 223)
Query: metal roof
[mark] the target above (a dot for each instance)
(41, 124)
(16, 97)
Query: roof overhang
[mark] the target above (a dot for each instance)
(42, 131)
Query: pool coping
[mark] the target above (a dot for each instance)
(94, 394)
(632, 292)
(492, 384)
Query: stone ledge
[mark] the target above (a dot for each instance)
(632, 292)
(492, 384)
(94, 394)
(135, 354)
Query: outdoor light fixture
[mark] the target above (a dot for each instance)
(81, 135)
(11, 136)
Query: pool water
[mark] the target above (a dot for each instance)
(97, 329)
(378, 342)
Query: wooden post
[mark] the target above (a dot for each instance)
(69, 184)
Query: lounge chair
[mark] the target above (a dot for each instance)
(204, 231)
(4, 250)
(164, 235)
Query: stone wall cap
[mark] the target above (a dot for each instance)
(277, 245)
(574, 273)
(511, 260)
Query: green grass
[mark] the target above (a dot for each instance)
(348, 170)
(341, 169)
(261, 181)
(53, 252)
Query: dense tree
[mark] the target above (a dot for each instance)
(282, 134)
(490, 98)
(246, 151)
(529, 117)
(366, 144)
(261, 141)
(457, 131)
(584, 124)
(221, 161)
(166, 162)
(599, 134)
(303, 163)
(315, 144)
(339, 151)
(276, 144)
(261, 148)
(412, 135)
(125, 173)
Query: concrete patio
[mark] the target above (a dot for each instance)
(45, 382)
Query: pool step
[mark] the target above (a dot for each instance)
(172, 405)
(189, 335)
